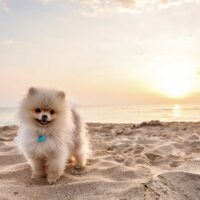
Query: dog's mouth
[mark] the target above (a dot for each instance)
(42, 122)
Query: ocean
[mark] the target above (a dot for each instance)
(122, 114)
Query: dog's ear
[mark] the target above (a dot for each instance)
(61, 94)
(32, 90)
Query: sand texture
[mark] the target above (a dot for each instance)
(150, 161)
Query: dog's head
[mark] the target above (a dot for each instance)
(43, 107)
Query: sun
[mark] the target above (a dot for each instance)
(173, 77)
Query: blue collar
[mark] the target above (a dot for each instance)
(41, 137)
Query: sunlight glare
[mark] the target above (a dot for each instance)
(173, 77)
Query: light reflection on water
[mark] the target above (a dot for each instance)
(123, 114)
(177, 110)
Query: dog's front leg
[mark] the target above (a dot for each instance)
(56, 167)
(37, 166)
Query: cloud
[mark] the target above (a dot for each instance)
(47, 1)
(130, 4)
(9, 42)
(13, 42)
(4, 5)
(123, 5)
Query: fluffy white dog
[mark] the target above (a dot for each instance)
(51, 132)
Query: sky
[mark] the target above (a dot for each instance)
(101, 52)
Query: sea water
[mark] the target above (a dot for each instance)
(121, 114)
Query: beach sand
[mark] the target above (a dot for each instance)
(148, 161)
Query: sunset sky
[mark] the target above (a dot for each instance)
(117, 52)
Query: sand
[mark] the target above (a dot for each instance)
(130, 162)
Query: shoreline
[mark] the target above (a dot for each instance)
(157, 123)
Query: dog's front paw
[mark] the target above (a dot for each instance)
(52, 178)
(36, 175)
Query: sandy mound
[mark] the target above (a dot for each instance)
(147, 161)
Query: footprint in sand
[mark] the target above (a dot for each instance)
(119, 158)
(142, 160)
(154, 158)
(175, 163)
(138, 149)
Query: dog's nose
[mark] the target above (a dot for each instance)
(44, 118)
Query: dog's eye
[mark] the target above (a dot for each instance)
(37, 110)
(52, 112)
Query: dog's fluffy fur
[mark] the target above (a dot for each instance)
(66, 135)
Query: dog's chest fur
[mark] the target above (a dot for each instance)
(56, 141)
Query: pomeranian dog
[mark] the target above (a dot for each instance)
(51, 133)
